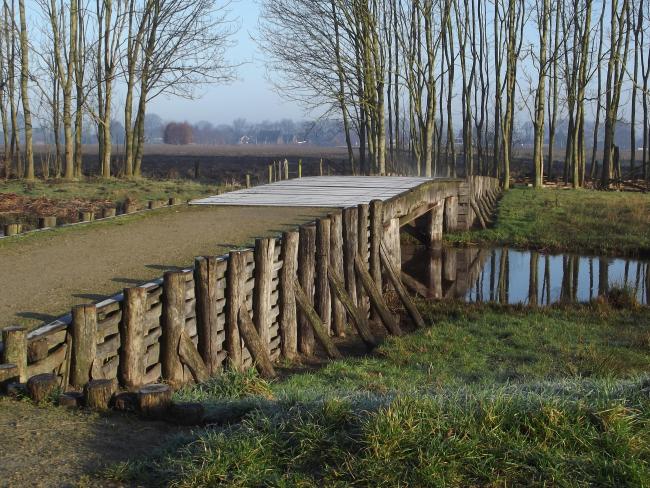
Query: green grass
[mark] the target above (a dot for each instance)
(490, 395)
(612, 223)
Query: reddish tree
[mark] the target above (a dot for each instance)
(178, 134)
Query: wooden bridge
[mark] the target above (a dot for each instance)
(277, 299)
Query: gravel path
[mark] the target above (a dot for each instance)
(45, 274)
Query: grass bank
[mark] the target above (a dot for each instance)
(563, 220)
(490, 395)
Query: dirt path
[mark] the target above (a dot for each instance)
(44, 274)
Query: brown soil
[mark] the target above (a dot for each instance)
(45, 446)
(45, 274)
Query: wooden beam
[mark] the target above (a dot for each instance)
(316, 323)
(255, 344)
(418, 212)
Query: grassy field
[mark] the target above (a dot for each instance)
(548, 397)
(580, 221)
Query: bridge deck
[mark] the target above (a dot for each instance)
(318, 191)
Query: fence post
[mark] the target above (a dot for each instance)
(451, 214)
(322, 294)
(264, 253)
(173, 323)
(376, 233)
(207, 327)
(84, 343)
(288, 273)
(363, 211)
(132, 327)
(336, 263)
(15, 349)
(235, 296)
(306, 255)
(350, 250)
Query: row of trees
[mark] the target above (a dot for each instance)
(405, 75)
(72, 58)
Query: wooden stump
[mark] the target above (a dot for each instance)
(98, 393)
(108, 212)
(13, 229)
(37, 350)
(126, 401)
(46, 222)
(154, 400)
(154, 204)
(186, 413)
(71, 399)
(288, 273)
(15, 349)
(8, 374)
(174, 201)
(42, 386)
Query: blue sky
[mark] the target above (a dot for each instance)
(250, 97)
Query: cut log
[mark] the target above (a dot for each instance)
(154, 400)
(376, 236)
(71, 399)
(358, 319)
(363, 211)
(98, 393)
(41, 387)
(186, 414)
(37, 350)
(322, 297)
(376, 298)
(191, 358)
(317, 325)
(393, 276)
(15, 349)
(207, 316)
(235, 296)
(350, 250)
(259, 351)
(264, 257)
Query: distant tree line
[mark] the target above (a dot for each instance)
(408, 75)
(64, 64)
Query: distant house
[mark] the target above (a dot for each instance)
(244, 140)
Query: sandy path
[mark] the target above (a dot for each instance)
(44, 274)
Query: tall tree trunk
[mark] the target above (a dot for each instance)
(24, 92)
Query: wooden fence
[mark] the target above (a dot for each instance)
(297, 290)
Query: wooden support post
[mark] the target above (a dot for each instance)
(86, 216)
(286, 169)
(306, 264)
(315, 322)
(46, 222)
(322, 297)
(258, 348)
(84, 343)
(477, 211)
(132, 331)
(376, 298)
(248, 180)
(191, 358)
(363, 216)
(359, 319)
(350, 246)
(173, 323)
(336, 263)
(321, 167)
(235, 296)
(451, 214)
(264, 256)
(449, 263)
(376, 236)
(154, 400)
(434, 222)
(271, 173)
(108, 212)
(14, 340)
(288, 274)
(98, 393)
(207, 320)
(392, 242)
(394, 277)
(300, 168)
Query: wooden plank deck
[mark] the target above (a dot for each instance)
(318, 191)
